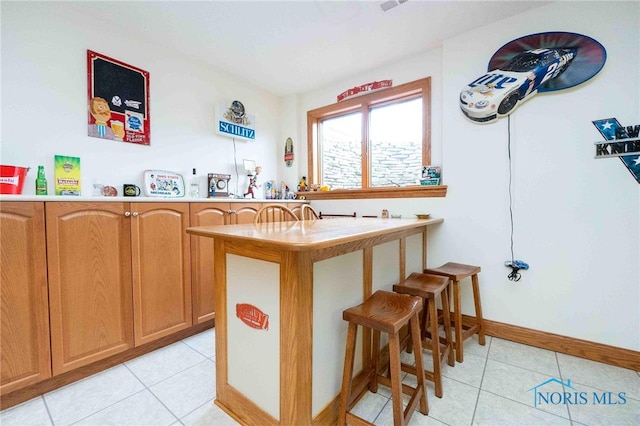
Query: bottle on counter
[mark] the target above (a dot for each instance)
(41, 182)
(194, 186)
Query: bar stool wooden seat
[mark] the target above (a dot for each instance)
(429, 287)
(457, 272)
(385, 312)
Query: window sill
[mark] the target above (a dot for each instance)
(384, 192)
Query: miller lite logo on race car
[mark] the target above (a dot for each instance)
(498, 92)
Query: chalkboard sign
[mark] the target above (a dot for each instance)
(118, 100)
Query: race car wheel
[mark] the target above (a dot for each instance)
(563, 69)
(508, 103)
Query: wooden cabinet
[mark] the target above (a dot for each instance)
(243, 213)
(119, 277)
(210, 214)
(90, 292)
(161, 269)
(24, 332)
(83, 281)
(204, 214)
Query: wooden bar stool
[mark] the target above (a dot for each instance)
(384, 312)
(457, 272)
(429, 287)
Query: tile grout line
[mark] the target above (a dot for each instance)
(166, 378)
(382, 409)
(484, 369)
(520, 402)
(563, 388)
(176, 373)
(117, 402)
(197, 408)
(145, 387)
(95, 412)
(194, 349)
(555, 354)
(209, 358)
(151, 392)
(526, 405)
(108, 406)
(46, 407)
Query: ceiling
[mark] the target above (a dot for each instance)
(289, 47)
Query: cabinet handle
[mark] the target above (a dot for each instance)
(231, 211)
(127, 214)
(135, 214)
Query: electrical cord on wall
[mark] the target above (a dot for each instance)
(515, 265)
(235, 161)
(510, 183)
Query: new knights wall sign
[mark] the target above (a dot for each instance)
(622, 142)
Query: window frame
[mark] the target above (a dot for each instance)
(363, 104)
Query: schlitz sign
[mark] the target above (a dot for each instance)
(622, 142)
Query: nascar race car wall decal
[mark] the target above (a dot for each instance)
(535, 63)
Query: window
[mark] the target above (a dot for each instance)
(376, 140)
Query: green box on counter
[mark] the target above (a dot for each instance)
(67, 175)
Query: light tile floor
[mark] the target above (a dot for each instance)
(496, 385)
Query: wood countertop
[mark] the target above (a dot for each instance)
(311, 234)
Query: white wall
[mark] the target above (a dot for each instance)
(44, 103)
(577, 219)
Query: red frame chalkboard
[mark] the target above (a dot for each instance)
(118, 100)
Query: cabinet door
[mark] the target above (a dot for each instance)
(26, 357)
(161, 269)
(89, 251)
(204, 214)
(243, 212)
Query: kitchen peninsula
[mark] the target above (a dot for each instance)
(280, 291)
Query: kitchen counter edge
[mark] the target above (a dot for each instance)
(67, 198)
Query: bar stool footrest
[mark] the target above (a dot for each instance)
(354, 420)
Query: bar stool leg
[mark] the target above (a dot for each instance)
(435, 346)
(396, 380)
(422, 382)
(457, 314)
(446, 319)
(373, 382)
(476, 299)
(423, 334)
(347, 373)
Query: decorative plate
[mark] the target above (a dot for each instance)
(163, 183)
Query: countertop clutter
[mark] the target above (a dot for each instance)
(67, 198)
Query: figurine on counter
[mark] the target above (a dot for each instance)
(252, 182)
(302, 186)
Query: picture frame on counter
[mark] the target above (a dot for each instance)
(431, 175)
